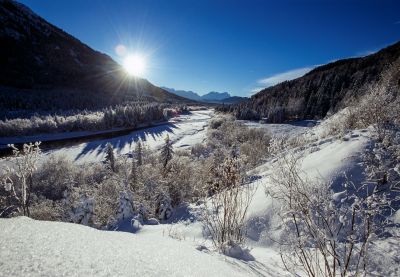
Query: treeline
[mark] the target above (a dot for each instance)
(128, 115)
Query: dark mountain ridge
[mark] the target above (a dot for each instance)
(39, 59)
(326, 88)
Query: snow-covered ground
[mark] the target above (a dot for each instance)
(289, 129)
(192, 125)
(40, 248)
(33, 248)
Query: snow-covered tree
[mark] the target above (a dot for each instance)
(166, 152)
(163, 206)
(110, 157)
(139, 153)
(84, 213)
(125, 205)
(133, 178)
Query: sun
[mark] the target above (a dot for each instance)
(135, 65)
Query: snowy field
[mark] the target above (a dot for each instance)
(37, 248)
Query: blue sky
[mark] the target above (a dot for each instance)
(233, 46)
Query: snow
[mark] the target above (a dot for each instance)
(178, 248)
(327, 163)
(41, 248)
(184, 126)
(55, 136)
(289, 129)
(184, 131)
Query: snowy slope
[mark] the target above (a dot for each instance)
(325, 160)
(41, 248)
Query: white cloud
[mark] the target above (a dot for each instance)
(284, 76)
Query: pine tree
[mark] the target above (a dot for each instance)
(166, 152)
(125, 206)
(134, 174)
(139, 153)
(110, 158)
(163, 206)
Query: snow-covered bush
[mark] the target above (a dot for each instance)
(215, 123)
(18, 180)
(46, 209)
(199, 150)
(327, 233)
(53, 177)
(229, 135)
(225, 211)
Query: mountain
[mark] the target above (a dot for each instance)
(43, 67)
(213, 95)
(184, 93)
(325, 89)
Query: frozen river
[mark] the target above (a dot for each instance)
(184, 131)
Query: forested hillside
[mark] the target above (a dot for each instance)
(325, 89)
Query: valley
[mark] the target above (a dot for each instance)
(183, 138)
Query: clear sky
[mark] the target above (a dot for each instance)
(233, 46)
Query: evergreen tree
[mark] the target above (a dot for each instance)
(166, 152)
(139, 153)
(110, 158)
(134, 173)
(125, 206)
(163, 206)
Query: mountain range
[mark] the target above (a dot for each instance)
(211, 97)
(42, 67)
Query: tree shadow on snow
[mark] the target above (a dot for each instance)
(119, 143)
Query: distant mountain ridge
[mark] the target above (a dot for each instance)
(41, 66)
(184, 93)
(326, 88)
(211, 97)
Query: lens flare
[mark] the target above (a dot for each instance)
(121, 50)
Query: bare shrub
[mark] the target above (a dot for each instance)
(215, 123)
(327, 234)
(18, 180)
(46, 209)
(53, 177)
(225, 212)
